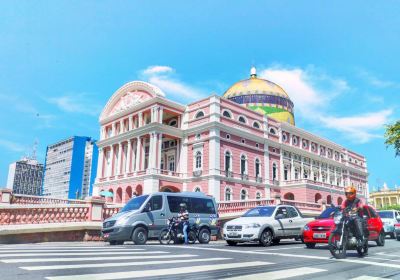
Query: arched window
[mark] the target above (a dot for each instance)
(228, 158)
(317, 197)
(289, 196)
(296, 173)
(228, 136)
(172, 122)
(272, 131)
(227, 114)
(228, 194)
(294, 140)
(258, 195)
(256, 125)
(305, 174)
(242, 119)
(198, 160)
(243, 164)
(171, 163)
(197, 189)
(258, 168)
(274, 171)
(284, 137)
(199, 114)
(243, 194)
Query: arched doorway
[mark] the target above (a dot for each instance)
(111, 198)
(339, 201)
(128, 194)
(118, 198)
(318, 197)
(329, 199)
(289, 196)
(139, 190)
(169, 189)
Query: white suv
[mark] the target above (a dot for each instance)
(266, 224)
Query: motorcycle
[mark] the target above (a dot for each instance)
(174, 232)
(343, 237)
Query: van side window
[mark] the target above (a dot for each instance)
(156, 202)
(174, 201)
(202, 206)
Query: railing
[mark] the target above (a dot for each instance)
(303, 205)
(225, 207)
(30, 199)
(311, 182)
(14, 215)
(109, 211)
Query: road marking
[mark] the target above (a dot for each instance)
(157, 272)
(96, 258)
(383, 259)
(366, 277)
(61, 247)
(279, 274)
(101, 265)
(290, 255)
(75, 254)
(388, 255)
(72, 250)
(285, 248)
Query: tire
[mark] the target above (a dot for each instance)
(266, 238)
(381, 239)
(165, 237)
(192, 237)
(113, 243)
(204, 236)
(363, 251)
(139, 236)
(398, 237)
(276, 241)
(392, 235)
(337, 252)
(310, 245)
(231, 243)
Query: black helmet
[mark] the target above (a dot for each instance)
(182, 205)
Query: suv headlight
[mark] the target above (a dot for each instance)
(253, 225)
(337, 218)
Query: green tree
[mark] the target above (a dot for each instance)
(392, 136)
(390, 207)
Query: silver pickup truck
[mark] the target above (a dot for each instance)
(266, 224)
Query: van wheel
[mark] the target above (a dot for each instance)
(139, 236)
(381, 239)
(231, 243)
(204, 236)
(310, 245)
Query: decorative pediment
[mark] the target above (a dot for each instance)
(128, 96)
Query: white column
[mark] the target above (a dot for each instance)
(138, 155)
(121, 126)
(152, 151)
(100, 164)
(266, 163)
(214, 108)
(320, 172)
(302, 168)
(130, 122)
(214, 163)
(292, 169)
(111, 166)
(140, 123)
(114, 129)
(160, 114)
(119, 163)
(281, 165)
(128, 159)
(178, 155)
(159, 146)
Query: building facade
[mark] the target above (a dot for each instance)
(25, 177)
(385, 197)
(70, 168)
(241, 146)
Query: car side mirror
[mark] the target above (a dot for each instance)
(398, 218)
(279, 216)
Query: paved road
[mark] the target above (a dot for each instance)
(289, 260)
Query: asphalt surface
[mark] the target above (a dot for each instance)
(217, 260)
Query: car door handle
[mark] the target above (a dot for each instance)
(290, 221)
(162, 214)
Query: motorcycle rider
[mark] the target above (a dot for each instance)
(184, 219)
(356, 206)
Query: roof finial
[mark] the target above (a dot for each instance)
(253, 72)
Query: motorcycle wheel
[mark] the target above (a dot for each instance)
(362, 251)
(192, 237)
(339, 252)
(165, 237)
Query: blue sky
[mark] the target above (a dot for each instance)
(60, 61)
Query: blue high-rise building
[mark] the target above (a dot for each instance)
(70, 168)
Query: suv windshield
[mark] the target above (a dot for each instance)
(135, 203)
(328, 213)
(386, 214)
(260, 212)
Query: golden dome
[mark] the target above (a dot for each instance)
(262, 96)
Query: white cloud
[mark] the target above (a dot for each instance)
(12, 146)
(375, 81)
(311, 93)
(77, 103)
(157, 69)
(162, 77)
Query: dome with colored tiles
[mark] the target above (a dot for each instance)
(262, 96)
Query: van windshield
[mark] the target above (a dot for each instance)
(134, 203)
(386, 214)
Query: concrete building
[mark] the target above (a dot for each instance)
(241, 146)
(70, 168)
(385, 197)
(25, 177)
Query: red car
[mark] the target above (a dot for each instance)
(318, 230)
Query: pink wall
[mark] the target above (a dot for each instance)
(237, 187)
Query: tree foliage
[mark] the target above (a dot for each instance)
(392, 136)
(390, 207)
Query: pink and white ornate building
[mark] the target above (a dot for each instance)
(242, 146)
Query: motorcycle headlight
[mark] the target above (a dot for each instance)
(337, 218)
(253, 225)
(306, 228)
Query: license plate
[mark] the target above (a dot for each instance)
(319, 235)
(233, 234)
(106, 235)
